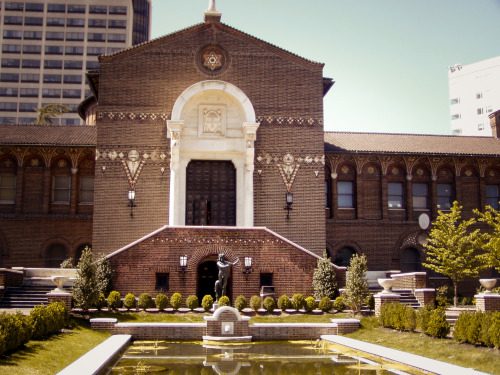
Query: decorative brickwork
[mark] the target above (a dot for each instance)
(487, 302)
(414, 280)
(65, 298)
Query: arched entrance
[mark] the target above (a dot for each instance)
(344, 255)
(207, 276)
(410, 260)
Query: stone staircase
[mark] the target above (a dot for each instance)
(25, 297)
(407, 297)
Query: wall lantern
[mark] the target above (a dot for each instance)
(248, 265)
(183, 260)
(289, 202)
(131, 199)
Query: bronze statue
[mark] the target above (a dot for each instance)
(221, 285)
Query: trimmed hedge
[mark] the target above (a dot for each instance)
(240, 303)
(298, 301)
(339, 304)
(161, 301)
(398, 316)
(325, 304)
(269, 304)
(145, 301)
(255, 303)
(101, 302)
(284, 302)
(176, 301)
(47, 320)
(478, 328)
(129, 302)
(207, 302)
(114, 300)
(310, 304)
(192, 302)
(15, 331)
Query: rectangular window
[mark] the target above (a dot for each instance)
(51, 93)
(480, 127)
(33, 21)
(71, 93)
(11, 48)
(116, 38)
(32, 50)
(53, 50)
(75, 22)
(53, 64)
(162, 282)
(70, 121)
(395, 191)
(11, 63)
(27, 107)
(327, 194)
(31, 64)
(13, 20)
(111, 50)
(444, 196)
(52, 78)
(117, 24)
(8, 92)
(90, 65)
(26, 120)
(7, 188)
(456, 116)
(96, 37)
(12, 5)
(52, 21)
(480, 111)
(97, 23)
(117, 10)
(61, 189)
(96, 51)
(345, 194)
(75, 36)
(56, 8)
(52, 35)
(266, 279)
(489, 109)
(12, 34)
(455, 101)
(420, 196)
(492, 197)
(87, 189)
(34, 7)
(76, 8)
(7, 120)
(98, 9)
(72, 78)
(9, 77)
(74, 51)
(73, 64)
(479, 95)
(29, 93)
(8, 107)
(30, 78)
(33, 35)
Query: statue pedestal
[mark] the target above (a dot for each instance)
(63, 297)
(487, 302)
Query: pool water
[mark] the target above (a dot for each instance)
(300, 357)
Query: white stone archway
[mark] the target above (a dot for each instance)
(212, 120)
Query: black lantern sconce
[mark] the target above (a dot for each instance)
(131, 199)
(289, 202)
(183, 260)
(248, 265)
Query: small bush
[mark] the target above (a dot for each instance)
(325, 304)
(339, 304)
(410, 319)
(46, 320)
(129, 302)
(176, 301)
(114, 300)
(269, 304)
(192, 302)
(370, 302)
(207, 302)
(423, 316)
(284, 302)
(240, 303)
(224, 301)
(255, 303)
(161, 301)
(101, 302)
(298, 301)
(460, 330)
(438, 326)
(145, 301)
(15, 330)
(310, 304)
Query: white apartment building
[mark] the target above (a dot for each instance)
(48, 45)
(474, 94)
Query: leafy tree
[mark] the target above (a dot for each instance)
(104, 276)
(356, 289)
(47, 113)
(85, 293)
(452, 247)
(492, 240)
(324, 282)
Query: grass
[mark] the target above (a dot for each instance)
(446, 350)
(42, 357)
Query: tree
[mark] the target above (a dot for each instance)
(452, 249)
(356, 289)
(491, 244)
(324, 282)
(47, 113)
(104, 276)
(85, 292)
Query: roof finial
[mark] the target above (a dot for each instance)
(212, 14)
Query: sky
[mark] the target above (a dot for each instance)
(389, 58)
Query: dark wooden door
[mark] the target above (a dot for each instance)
(210, 193)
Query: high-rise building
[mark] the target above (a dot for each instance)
(48, 45)
(474, 94)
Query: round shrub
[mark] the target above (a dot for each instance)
(176, 301)
(269, 304)
(192, 302)
(339, 304)
(224, 301)
(298, 301)
(310, 304)
(255, 303)
(101, 302)
(207, 302)
(145, 301)
(284, 302)
(325, 304)
(129, 302)
(240, 303)
(370, 302)
(114, 300)
(161, 301)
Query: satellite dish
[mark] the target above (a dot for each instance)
(424, 221)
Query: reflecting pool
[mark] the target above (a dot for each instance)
(299, 357)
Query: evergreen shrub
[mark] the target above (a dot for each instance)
(437, 325)
(240, 303)
(460, 330)
(284, 302)
(176, 301)
(192, 302)
(255, 303)
(129, 302)
(370, 302)
(161, 301)
(339, 304)
(325, 304)
(145, 301)
(478, 328)
(207, 302)
(398, 316)
(269, 304)
(101, 302)
(15, 330)
(423, 316)
(114, 300)
(324, 281)
(298, 301)
(224, 301)
(310, 304)
(46, 320)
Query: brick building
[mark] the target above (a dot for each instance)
(211, 141)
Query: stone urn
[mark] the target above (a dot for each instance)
(488, 284)
(386, 284)
(60, 281)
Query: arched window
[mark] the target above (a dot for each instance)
(61, 181)
(8, 169)
(410, 260)
(445, 189)
(56, 254)
(344, 255)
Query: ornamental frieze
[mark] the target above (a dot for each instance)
(301, 159)
(120, 154)
(296, 121)
(75, 154)
(120, 116)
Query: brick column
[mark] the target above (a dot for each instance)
(487, 302)
(64, 297)
(425, 296)
(384, 297)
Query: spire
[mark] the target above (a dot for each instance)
(212, 14)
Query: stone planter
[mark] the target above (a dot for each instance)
(60, 281)
(386, 284)
(488, 284)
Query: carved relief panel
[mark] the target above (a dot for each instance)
(212, 120)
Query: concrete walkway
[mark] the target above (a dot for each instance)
(427, 364)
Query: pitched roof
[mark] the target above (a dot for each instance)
(411, 144)
(48, 135)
